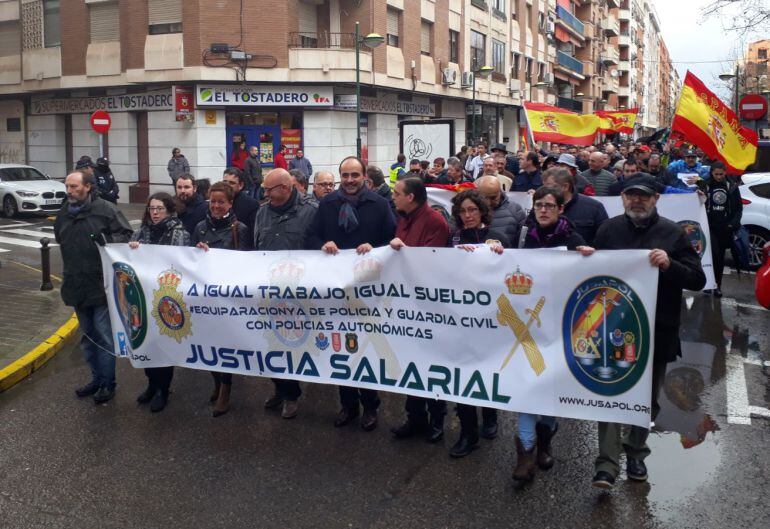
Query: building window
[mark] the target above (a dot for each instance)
(529, 70)
(105, 25)
(513, 9)
(478, 49)
(762, 53)
(165, 16)
(51, 24)
(425, 38)
(10, 38)
(516, 67)
(498, 56)
(13, 124)
(529, 16)
(393, 22)
(454, 46)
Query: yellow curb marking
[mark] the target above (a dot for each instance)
(37, 357)
(57, 278)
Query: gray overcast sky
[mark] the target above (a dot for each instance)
(691, 38)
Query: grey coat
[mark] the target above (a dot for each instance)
(508, 218)
(286, 230)
(177, 166)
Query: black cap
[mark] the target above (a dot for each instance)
(690, 153)
(102, 161)
(641, 182)
(499, 147)
(84, 161)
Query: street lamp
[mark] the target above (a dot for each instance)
(539, 84)
(483, 71)
(729, 76)
(372, 40)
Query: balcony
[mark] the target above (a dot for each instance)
(569, 64)
(574, 105)
(569, 22)
(323, 40)
(624, 66)
(588, 68)
(610, 56)
(624, 91)
(331, 53)
(624, 41)
(611, 26)
(624, 15)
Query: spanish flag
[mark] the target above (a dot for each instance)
(549, 123)
(708, 123)
(617, 120)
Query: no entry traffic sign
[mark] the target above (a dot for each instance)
(753, 106)
(100, 122)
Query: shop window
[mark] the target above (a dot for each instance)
(51, 24)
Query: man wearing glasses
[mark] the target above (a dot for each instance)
(353, 217)
(282, 224)
(244, 207)
(323, 184)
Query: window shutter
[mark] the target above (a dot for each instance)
(10, 38)
(308, 18)
(425, 37)
(105, 25)
(393, 22)
(165, 12)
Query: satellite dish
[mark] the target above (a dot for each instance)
(614, 73)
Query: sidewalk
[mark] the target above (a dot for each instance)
(31, 321)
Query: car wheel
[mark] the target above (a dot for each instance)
(10, 208)
(758, 237)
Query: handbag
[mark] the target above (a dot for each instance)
(740, 248)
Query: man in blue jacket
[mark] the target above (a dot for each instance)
(689, 164)
(353, 217)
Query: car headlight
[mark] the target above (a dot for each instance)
(27, 193)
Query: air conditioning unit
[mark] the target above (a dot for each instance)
(448, 76)
(550, 27)
(548, 78)
(514, 85)
(467, 79)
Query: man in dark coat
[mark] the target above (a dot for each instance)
(193, 206)
(244, 207)
(353, 217)
(84, 221)
(507, 216)
(585, 213)
(252, 172)
(642, 228)
(105, 181)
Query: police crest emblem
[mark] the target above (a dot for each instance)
(131, 304)
(695, 235)
(351, 342)
(169, 309)
(322, 341)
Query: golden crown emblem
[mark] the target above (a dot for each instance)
(519, 282)
(367, 269)
(287, 271)
(169, 278)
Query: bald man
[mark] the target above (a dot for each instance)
(323, 184)
(282, 224)
(597, 175)
(507, 216)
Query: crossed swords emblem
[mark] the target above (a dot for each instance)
(507, 316)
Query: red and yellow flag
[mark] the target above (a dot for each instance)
(612, 121)
(549, 123)
(706, 122)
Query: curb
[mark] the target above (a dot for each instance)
(37, 357)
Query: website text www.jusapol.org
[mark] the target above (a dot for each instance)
(598, 403)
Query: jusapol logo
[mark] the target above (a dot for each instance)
(606, 335)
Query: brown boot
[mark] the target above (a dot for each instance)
(525, 463)
(544, 435)
(215, 395)
(223, 401)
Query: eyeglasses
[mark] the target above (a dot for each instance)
(324, 184)
(548, 206)
(155, 209)
(469, 211)
(351, 175)
(270, 189)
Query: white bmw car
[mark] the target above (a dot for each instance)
(755, 194)
(24, 189)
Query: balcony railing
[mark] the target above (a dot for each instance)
(575, 105)
(570, 19)
(569, 62)
(322, 40)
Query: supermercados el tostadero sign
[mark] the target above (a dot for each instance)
(264, 95)
(141, 102)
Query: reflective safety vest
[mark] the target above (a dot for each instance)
(395, 172)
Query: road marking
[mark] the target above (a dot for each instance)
(17, 224)
(57, 278)
(4, 250)
(762, 412)
(738, 411)
(19, 242)
(31, 233)
(732, 302)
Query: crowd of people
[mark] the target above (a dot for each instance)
(371, 209)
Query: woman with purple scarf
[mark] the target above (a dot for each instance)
(546, 228)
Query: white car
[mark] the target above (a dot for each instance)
(755, 195)
(24, 189)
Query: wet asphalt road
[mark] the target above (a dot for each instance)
(68, 463)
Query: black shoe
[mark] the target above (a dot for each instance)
(369, 420)
(636, 469)
(464, 446)
(708, 291)
(87, 390)
(435, 435)
(159, 401)
(104, 394)
(718, 293)
(345, 417)
(147, 395)
(273, 402)
(489, 431)
(603, 480)
(409, 429)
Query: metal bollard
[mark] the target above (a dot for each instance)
(45, 264)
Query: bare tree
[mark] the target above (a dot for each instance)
(748, 16)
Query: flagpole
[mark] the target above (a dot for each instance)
(529, 127)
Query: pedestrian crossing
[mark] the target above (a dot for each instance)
(14, 234)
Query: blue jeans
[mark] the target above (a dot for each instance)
(527, 423)
(95, 325)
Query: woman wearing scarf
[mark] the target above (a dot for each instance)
(159, 226)
(546, 228)
(472, 215)
(223, 231)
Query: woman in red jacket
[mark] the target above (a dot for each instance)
(239, 156)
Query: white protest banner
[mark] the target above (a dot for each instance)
(685, 209)
(536, 331)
